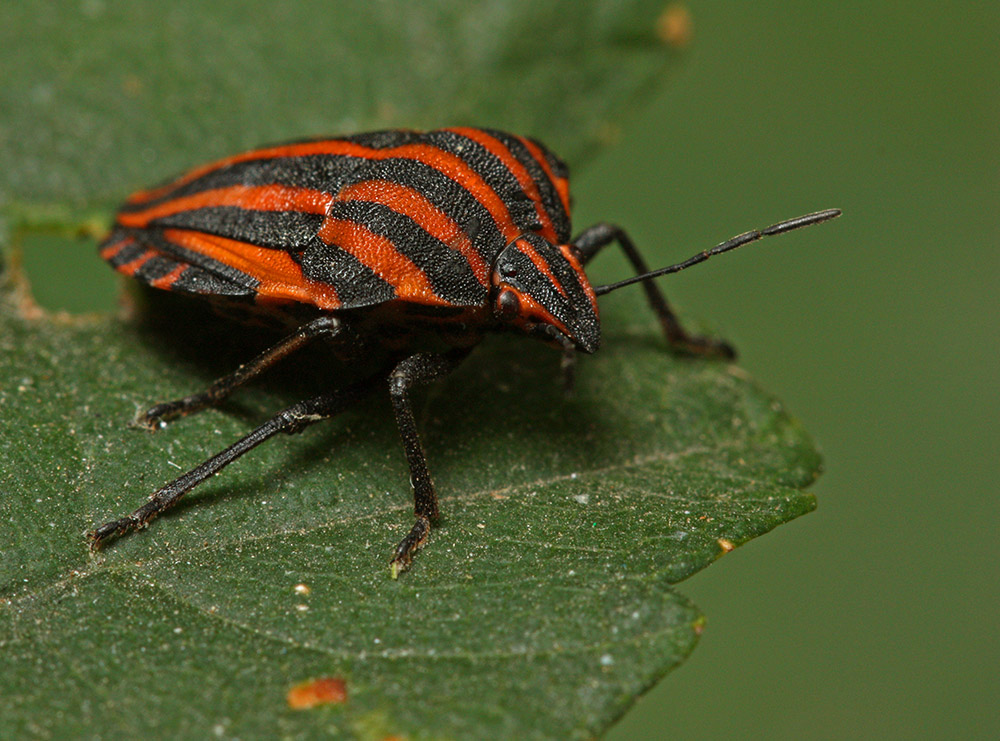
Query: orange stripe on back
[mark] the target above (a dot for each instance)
(302, 149)
(131, 268)
(561, 184)
(430, 218)
(569, 253)
(530, 307)
(110, 250)
(256, 198)
(166, 281)
(279, 276)
(531, 253)
(448, 164)
(524, 179)
(380, 255)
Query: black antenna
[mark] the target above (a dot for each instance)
(779, 228)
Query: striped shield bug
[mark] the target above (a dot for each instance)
(405, 246)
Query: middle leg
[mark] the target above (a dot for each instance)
(290, 421)
(418, 369)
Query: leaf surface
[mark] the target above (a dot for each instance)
(110, 97)
(542, 605)
(544, 602)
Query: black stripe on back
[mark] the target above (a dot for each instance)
(538, 286)
(447, 270)
(558, 167)
(295, 233)
(282, 230)
(155, 267)
(563, 270)
(494, 173)
(460, 205)
(317, 171)
(384, 139)
(547, 189)
(331, 173)
(355, 283)
(194, 279)
(126, 254)
(155, 239)
(202, 282)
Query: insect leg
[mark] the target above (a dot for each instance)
(589, 243)
(291, 420)
(157, 415)
(417, 369)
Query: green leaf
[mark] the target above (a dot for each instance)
(543, 604)
(541, 607)
(111, 96)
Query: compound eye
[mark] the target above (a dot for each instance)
(509, 305)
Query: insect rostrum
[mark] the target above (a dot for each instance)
(417, 243)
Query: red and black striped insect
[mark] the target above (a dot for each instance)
(403, 246)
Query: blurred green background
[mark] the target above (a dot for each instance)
(875, 616)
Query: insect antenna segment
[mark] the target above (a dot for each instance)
(730, 244)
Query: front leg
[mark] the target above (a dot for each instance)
(592, 240)
(418, 369)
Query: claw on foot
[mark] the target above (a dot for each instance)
(409, 545)
(395, 568)
(98, 535)
(156, 417)
(705, 347)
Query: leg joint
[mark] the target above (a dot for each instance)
(399, 383)
(321, 325)
(593, 238)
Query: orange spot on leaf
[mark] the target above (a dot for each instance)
(674, 27)
(322, 691)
